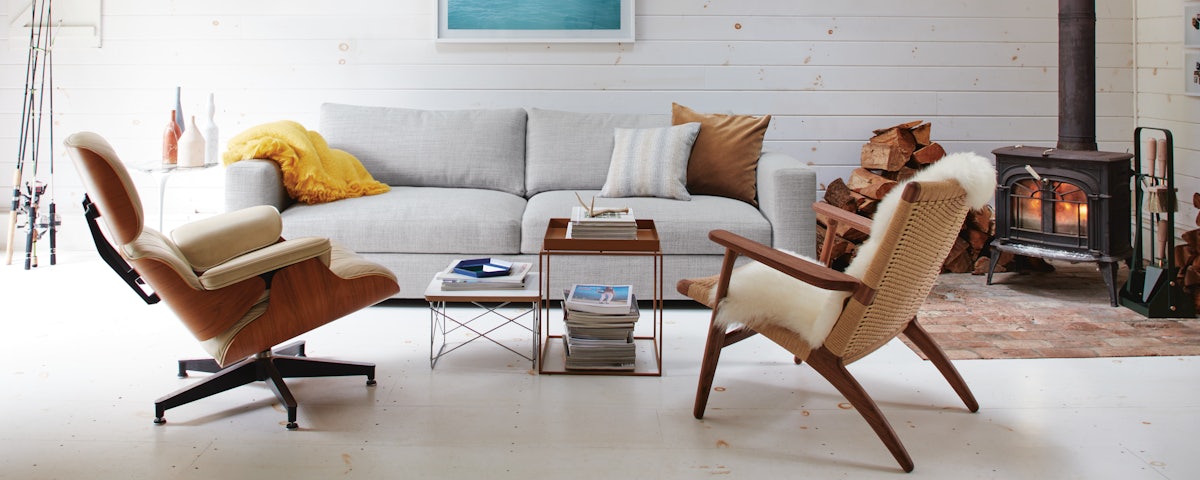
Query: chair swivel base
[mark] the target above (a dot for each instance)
(269, 366)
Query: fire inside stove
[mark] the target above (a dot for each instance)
(1049, 206)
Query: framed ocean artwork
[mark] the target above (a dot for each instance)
(535, 21)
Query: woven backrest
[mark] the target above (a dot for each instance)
(913, 248)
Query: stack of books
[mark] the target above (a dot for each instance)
(599, 327)
(606, 226)
(484, 274)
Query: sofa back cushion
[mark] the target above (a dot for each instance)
(571, 151)
(432, 148)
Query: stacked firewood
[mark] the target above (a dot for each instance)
(1187, 258)
(892, 155)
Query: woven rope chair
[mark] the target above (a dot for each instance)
(882, 305)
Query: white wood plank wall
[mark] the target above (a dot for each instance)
(1160, 101)
(829, 72)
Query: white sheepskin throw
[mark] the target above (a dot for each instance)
(761, 295)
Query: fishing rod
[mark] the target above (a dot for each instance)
(31, 139)
(17, 196)
(37, 188)
(52, 218)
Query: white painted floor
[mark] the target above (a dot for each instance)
(83, 360)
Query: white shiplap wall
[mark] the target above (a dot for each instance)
(1160, 99)
(829, 72)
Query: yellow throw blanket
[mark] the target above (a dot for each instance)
(312, 172)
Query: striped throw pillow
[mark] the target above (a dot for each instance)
(651, 162)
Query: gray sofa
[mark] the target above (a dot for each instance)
(483, 183)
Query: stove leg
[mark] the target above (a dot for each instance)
(992, 259)
(1108, 270)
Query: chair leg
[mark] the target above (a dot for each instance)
(915, 332)
(835, 372)
(718, 338)
(708, 367)
(297, 367)
(274, 380)
(233, 376)
(198, 365)
(270, 367)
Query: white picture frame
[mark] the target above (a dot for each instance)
(1191, 25)
(535, 21)
(1191, 72)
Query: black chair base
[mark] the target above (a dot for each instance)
(271, 367)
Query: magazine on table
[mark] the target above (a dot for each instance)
(581, 318)
(583, 354)
(600, 298)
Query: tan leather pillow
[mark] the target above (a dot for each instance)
(724, 158)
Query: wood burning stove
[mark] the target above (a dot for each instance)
(1069, 205)
(1071, 202)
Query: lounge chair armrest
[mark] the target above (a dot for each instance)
(809, 272)
(266, 260)
(215, 240)
(852, 220)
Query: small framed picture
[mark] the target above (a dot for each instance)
(1191, 72)
(1191, 25)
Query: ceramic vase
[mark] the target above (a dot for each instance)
(191, 146)
(171, 141)
(210, 134)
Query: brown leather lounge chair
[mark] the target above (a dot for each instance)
(236, 285)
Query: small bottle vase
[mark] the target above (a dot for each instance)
(211, 134)
(170, 149)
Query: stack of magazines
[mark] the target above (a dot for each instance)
(599, 327)
(606, 226)
(484, 274)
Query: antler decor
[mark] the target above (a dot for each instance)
(591, 209)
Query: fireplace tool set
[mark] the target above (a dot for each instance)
(1152, 288)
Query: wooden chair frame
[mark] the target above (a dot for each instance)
(829, 365)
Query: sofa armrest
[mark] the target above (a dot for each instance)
(255, 182)
(786, 192)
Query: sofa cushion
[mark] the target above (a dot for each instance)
(726, 154)
(571, 150)
(650, 162)
(416, 220)
(682, 226)
(432, 148)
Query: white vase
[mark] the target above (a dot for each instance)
(211, 136)
(191, 146)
